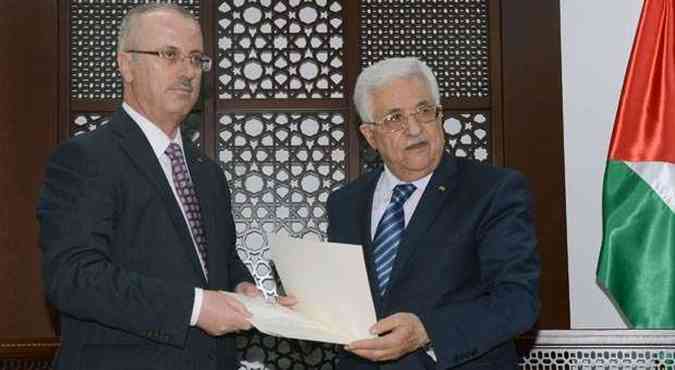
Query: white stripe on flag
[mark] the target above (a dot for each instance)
(660, 176)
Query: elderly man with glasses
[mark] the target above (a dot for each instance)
(449, 243)
(136, 230)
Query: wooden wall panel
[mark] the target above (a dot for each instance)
(533, 136)
(28, 111)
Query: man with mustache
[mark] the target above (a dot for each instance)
(449, 243)
(136, 227)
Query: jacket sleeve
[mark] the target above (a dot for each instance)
(77, 211)
(466, 326)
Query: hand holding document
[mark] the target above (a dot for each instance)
(330, 283)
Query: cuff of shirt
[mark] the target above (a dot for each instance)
(196, 306)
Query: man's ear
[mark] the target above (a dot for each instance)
(124, 64)
(368, 132)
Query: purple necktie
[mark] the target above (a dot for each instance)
(188, 197)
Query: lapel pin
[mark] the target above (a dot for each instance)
(441, 188)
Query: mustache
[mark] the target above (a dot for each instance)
(184, 85)
(417, 143)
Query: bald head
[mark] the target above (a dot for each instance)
(128, 32)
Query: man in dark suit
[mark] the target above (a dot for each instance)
(136, 228)
(449, 243)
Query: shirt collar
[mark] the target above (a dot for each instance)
(389, 180)
(159, 141)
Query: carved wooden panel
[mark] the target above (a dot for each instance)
(280, 49)
(450, 35)
(86, 122)
(281, 167)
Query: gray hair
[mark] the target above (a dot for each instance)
(130, 20)
(378, 75)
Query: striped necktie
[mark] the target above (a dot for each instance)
(388, 234)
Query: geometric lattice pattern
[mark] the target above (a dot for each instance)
(280, 167)
(600, 359)
(280, 49)
(25, 364)
(85, 122)
(466, 134)
(451, 36)
(94, 26)
(259, 351)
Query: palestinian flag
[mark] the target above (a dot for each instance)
(637, 262)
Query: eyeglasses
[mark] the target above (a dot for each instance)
(397, 121)
(173, 56)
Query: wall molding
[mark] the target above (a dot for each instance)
(598, 349)
(603, 337)
(27, 353)
(543, 350)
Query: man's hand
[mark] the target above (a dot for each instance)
(252, 290)
(248, 289)
(221, 314)
(400, 334)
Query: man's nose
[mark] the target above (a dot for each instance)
(413, 127)
(187, 69)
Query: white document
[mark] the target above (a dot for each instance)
(331, 285)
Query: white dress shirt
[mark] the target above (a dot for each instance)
(382, 197)
(159, 141)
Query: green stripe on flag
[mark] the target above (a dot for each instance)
(637, 261)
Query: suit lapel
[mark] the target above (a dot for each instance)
(433, 200)
(140, 153)
(363, 217)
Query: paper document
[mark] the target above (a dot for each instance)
(331, 285)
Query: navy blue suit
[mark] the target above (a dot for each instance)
(118, 260)
(467, 265)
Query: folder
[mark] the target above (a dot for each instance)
(329, 280)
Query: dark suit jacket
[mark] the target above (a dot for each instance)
(466, 266)
(118, 260)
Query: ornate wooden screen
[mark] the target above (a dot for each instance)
(277, 111)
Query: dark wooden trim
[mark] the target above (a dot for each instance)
(92, 106)
(29, 348)
(209, 126)
(28, 353)
(270, 105)
(29, 109)
(351, 67)
(263, 105)
(533, 137)
(463, 103)
(63, 65)
(278, 110)
(496, 101)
